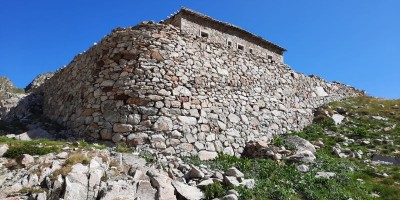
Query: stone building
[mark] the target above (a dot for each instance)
(227, 34)
(154, 85)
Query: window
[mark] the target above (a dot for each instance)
(240, 47)
(229, 43)
(251, 50)
(204, 34)
(269, 57)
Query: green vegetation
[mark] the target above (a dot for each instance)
(354, 178)
(40, 146)
(147, 156)
(123, 148)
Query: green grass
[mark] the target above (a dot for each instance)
(40, 146)
(283, 181)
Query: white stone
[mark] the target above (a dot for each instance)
(3, 149)
(233, 118)
(234, 172)
(163, 124)
(327, 175)
(191, 121)
(320, 91)
(25, 160)
(337, 118)
(207, 155)
(188, 192)
(181, 91)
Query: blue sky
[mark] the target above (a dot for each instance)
(356, 42)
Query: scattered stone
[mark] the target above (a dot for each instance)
(195, 173)
(189, 192)
(62, 155)
(300, 144)
(25, 160)
(165, 190)
(230, 197)
(326, 175)
(3, 149)
(337, 118)
(303, 168)
(302, 156)
(207, 155)
(231, 180)
(234, 172)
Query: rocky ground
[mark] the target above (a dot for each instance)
(350, 152)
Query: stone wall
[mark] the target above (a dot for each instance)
(194, 25)
(155, 85)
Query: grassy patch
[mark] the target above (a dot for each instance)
(123, 148)
(150, 158)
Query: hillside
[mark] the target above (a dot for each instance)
(9, 96)
(351, 151)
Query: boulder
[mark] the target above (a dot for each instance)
(320, 92)
(145, 191)
(302, 168)
(25, 160)
(189, 192)
(76, 183)
(234, 172)
(304, 156)
(231, 181)
(326, 175)
(230, 197)
(120, 189)
(195, 173)
(207, 155)
(337, 118)
(165, 190)
(3, 149)
(300, 144)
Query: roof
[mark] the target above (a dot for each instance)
(228, 25)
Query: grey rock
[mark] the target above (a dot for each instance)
(195, 173)
(122, 128)
(165, 190)
(320, 92)
(25, 160)
(207, 155)
(191, 121)
(3, 149)
(189, 192)
(304, 156)
(145, 191)
(303, 168)
(248, 183)
(300, 144)
(163, 124)
(234, 172)
(230, 197)
(327, 175)
(337, 118)
(62, 155)
(231, 180)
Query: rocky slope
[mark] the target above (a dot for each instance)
(38, 81)
(9, 96)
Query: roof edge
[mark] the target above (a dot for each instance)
(226, 24)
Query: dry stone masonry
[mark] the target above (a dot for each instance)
(180, 93)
